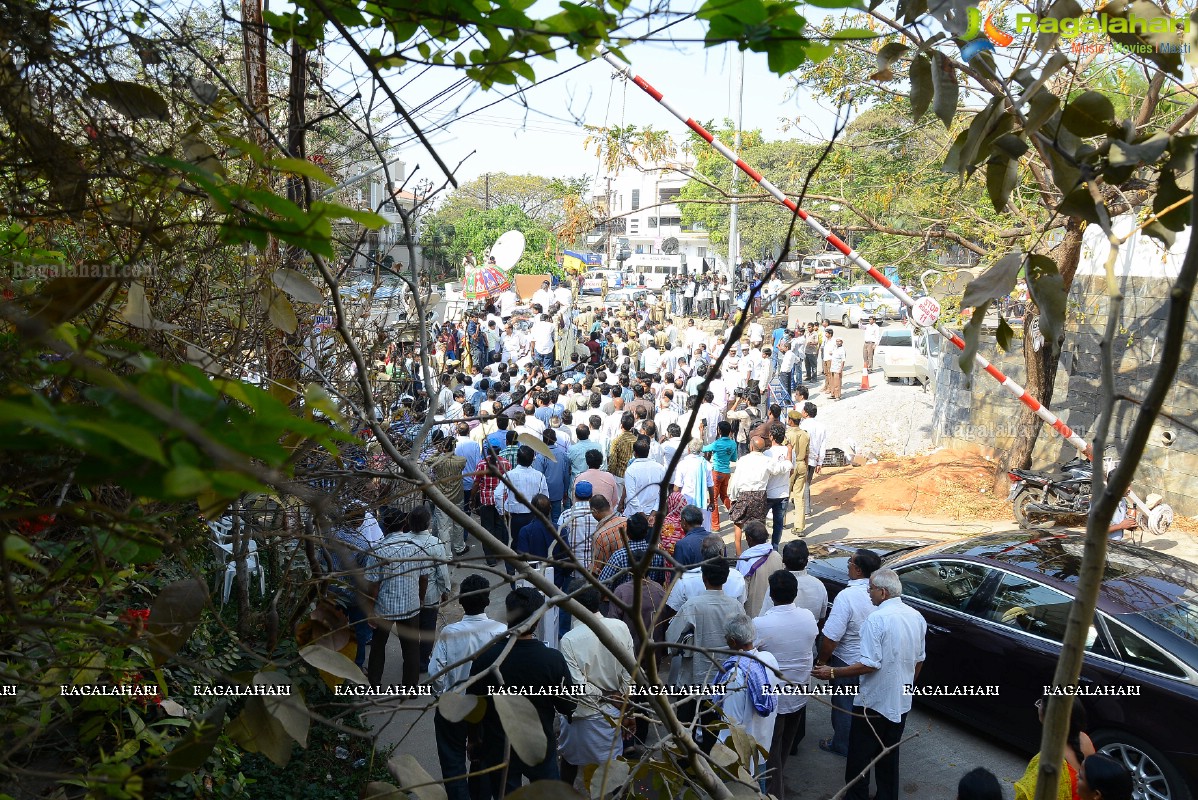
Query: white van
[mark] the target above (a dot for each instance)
(592, 282)
(825, 265)
(651, 271)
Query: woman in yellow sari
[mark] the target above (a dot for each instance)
(1077, 747)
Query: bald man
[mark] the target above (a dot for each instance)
(749, 482)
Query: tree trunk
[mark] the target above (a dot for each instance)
(283, 348)
(1041, 365)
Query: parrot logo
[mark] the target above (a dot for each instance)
(980, 35)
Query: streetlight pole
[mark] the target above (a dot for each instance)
(733, 216)
(608, 224)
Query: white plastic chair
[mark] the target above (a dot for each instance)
(221, 529)
(252, 565)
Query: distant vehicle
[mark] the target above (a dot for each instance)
(882, 297)
(847, 307)
(825, 265)
(592, 282)
(651, 271)
(630, 295)
(908, 354)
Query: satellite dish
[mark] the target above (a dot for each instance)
(507, 249)
(669, 246)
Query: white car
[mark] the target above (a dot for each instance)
(886, 305)
(908, 353)
(847, 307)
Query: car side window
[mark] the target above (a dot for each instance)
(1030, 606)
(1136, 651)
(949, 584)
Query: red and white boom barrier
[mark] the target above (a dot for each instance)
(924, 312)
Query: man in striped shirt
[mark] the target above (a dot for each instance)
(609, 534)
(578, 526)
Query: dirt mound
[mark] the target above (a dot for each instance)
(952, 483)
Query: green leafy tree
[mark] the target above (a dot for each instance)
(476, 230)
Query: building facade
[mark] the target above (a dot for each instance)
(645, 220)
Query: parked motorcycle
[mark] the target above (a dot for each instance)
(1040, 500)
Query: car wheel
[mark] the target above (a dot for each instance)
(818, 319)
(1152, 776)
(1019, 506)
(845, 321)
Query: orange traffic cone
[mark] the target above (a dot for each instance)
(865, 380)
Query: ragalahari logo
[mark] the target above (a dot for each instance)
(982, 36)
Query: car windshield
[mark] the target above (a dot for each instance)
(896, 339)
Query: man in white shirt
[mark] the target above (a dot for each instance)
(719, 391)
(750, 368)
(666, 415)
(891, 654)
(756, 333)
(815, 450)
(643, 479)
(515, 345)
(542, 333)
(523, 422)
(765, 373)
(508, 300)
(671, 444)
(458, 644)
(750, 680)
(873, 335)
(589, 736)
(748, 483)
(812, 594)
(825, 353)
(563, 296)
(690, 583)
(787, 632)
(543, 297)
(839, 357)
(777, 489)
(786, 365)
(526, 481)
(669, 359)
(773, 293)
(693, 336)
(695, 479)
(841, 644)
(651, 359)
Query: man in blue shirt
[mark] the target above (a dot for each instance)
(688, 549)
(723, 453)
(557, 473)
(497, 439)
(535, 540)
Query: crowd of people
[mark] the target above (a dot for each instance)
(609, 466)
